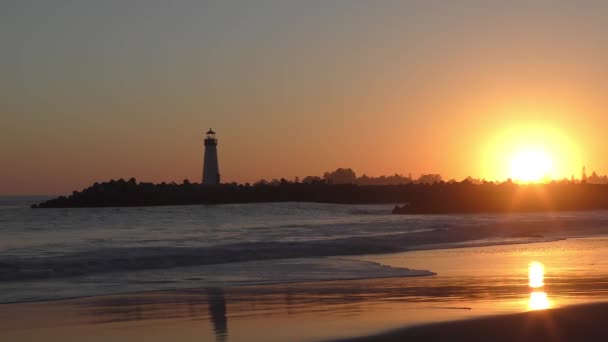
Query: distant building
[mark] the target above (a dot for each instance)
(211, 170)
(584, 174)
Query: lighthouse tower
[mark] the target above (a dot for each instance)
(211, 170)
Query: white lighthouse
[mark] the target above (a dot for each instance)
(211, 170)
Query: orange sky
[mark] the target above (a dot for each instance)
(94, 92)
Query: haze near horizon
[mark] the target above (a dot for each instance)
(99, 90)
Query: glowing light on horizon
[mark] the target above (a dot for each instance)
(536, 275)
(531, 153)
(531, 165)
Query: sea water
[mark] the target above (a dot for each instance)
(65, 253)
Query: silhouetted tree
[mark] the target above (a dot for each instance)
(340, 176)
(261, 182)
(311, 180)
(429, 178)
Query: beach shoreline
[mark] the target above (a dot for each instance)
(278, 313)
(477, 268)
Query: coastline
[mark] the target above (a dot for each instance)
(135, 291)
(427, 239)
(490, 285)
(394, 265)
(380, 267)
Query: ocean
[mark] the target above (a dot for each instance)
(67, 253)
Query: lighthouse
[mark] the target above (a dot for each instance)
(211, 170)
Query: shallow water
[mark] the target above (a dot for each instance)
(64, 253)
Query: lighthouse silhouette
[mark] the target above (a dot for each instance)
(211, 170)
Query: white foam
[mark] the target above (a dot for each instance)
(231, 274)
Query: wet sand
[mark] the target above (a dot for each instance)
(303, 312)
(212, 315)
(288, 312)
(574, 323)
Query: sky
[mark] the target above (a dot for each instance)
(96, 90)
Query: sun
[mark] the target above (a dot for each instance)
(530, 153)
(531, 165)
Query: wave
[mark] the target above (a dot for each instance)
(368, 211)
(267, 272)
(129, 259)
(119, 259)
(394, 234)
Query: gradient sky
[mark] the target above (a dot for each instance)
(94, 90)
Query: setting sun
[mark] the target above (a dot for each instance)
(530, 153)
(531, 165)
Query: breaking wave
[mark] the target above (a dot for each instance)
(142, 258)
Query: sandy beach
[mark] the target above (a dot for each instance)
(311, 312)
(479, 293)
(574, 323)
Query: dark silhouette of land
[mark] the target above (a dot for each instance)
(417, 198)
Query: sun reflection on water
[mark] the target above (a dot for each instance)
(536, 277)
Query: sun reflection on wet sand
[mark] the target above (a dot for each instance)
(536, 277)
(536, 274)
(538, 301)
